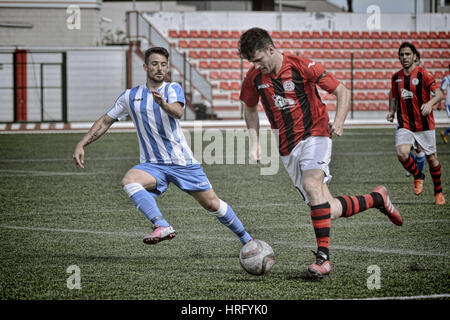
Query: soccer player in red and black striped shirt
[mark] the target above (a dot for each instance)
(286, 86)
(411, 87)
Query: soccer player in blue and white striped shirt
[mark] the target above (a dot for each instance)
(165, 157)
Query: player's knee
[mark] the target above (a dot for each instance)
(211, 204)
(402, 155)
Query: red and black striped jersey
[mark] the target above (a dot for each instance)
(291, 100)
(411, 91)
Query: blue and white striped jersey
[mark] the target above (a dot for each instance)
(445, 86)
(161, 139)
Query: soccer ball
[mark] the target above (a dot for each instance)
(257, 257)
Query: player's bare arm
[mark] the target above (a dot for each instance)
(175, 109)
(252, 121)
(97, 130)
(426, 108)
(343, 103)
(392, 107)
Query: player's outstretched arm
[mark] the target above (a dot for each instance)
(175, 109)
(342, 105)
(252, 121)
(97, 130)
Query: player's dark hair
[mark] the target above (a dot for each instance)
(411, 46)
(159, 50)
(252, 40)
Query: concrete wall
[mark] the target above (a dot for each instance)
(50, 23)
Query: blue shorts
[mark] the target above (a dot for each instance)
(187, 178)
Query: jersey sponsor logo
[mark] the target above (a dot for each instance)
(288, 85)
(415, 81)
(283, 103)
(406, 94)
(398, 80)
(137, 99)
(311, 64)
(263, 86)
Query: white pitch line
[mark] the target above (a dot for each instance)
(19, 173)
(215, 238)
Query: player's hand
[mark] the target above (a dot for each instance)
(390, 117)
(426, 109)
(336, 128)
(255, 153)
(78, 157)
(158, 98)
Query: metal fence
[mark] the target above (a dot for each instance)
(140, 28)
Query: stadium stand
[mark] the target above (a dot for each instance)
(214, 52)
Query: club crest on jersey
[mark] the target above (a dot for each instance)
(415, 81)
(288, 85)
(283, 103)
(406, 94)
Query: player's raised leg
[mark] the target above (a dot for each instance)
(135, 183)
(224, 213)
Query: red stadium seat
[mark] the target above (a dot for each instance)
(224, 64)
(295, 35)
(235, 34)
(349, 35)
(443, 35)
(444, 44)
(359, 96)
(306, 35)
(306, 45)
(275, 35)
(193, 54)
(285, 35)
(296, 44)
(204, 44)
(203, 64)
(214, 34)
(359, 85)
(224, 85)
(359, 75)
(235, 75)
(173, 33)
(235, 65)
(224, 34)
(183, 44)
(193, 34)
(214, 54)
(204, 34)
(316, 35)
(235, 85)
(214, 64)
(214, 75)
(371, 96)
(235, 96)
(326, 35)
(183, 34)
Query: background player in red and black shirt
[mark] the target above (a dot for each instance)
(286, 86)
(411, 90)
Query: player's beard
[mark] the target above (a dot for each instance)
(157, 78)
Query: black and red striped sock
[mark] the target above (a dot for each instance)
(321, 220)
(352, 205)
(411, 166)
(436, 176)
